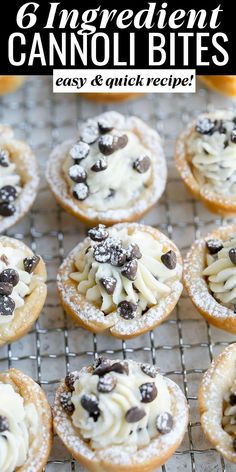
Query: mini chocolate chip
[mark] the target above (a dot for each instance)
(135, 414)
(129, 270)
(100, 165)
(234, 444)
(148, 392)
(99, 233)
(79, 150)
(30, 263)
(77, 173)
(7, 209)
(214, 245)
(111, 193)
(219, 126)
(106, 384)
(102, 366)
(4, 424)
(10, 275)
(108, 143)
(4, 158)
(226, 143)
(104, 126)
(90, 404)
(233, 136)
(133, 252)
(169, 259)
(232, 255)
(118, 257)
(7, 305)
(205, 126)
(164, 422)
(89, 133)
(232, 399)
(142, 164)
(81, 191)
(149, 370)
(8, 193)
(101, 253)
(120, 367)
(127, 310)
(5, 288)
(66, 403)
(70, 380)
(109, 284)
(113, 243)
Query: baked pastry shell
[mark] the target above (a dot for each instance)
(224, 205)
(32, 393)
(9, 83)
(25, 316)
(225, 84)
(216, 382)
(27, 168)
(93, 319)
(197, 287)
(134, 210)
(117, 459)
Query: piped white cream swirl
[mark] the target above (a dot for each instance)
(14, 258)
(153, 279)
(111, 427)
(213, 156)
(221, 274)
(22, 420)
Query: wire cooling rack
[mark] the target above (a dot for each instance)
(185, 344)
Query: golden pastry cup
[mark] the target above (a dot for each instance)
(26, 166)
(90, 317)
(10, 83)
(225, 84)
(25, 316)
(134, 210)
(110, 97)
(197, 287)
(31, 392)
(215, 384)
(224, 205)
(116, 459)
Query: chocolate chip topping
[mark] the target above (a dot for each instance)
(4, 424)
(89, 133)
(232, 399)
(99, 233)
(148, 392)
(4, 158)
(164, 422)
(70, 380)
(109, 284)
(7, 305)
(133, 252)
(90, 404)
(100, 165)
(102, 253)
(5, 288)
(109, 143)
(106, 384)
(169, 259)
(81, 191)
(233, 136)
(129, 270)
(79, 150)
(77, 173)
(232, 255)
(66, 403)
(7, 209)
(111, 193)
(102, 366)
(219, 126)
(214, 246)
(127, 310)
(234, 444)
(104, 126)
(10, 275)
(30, 263)
(8, 193)
(120, 367)
(205, 126)
(135, 414)
(142, 164)
(149, 370)
(118, 257)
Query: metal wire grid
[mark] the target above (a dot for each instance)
(185, 344)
